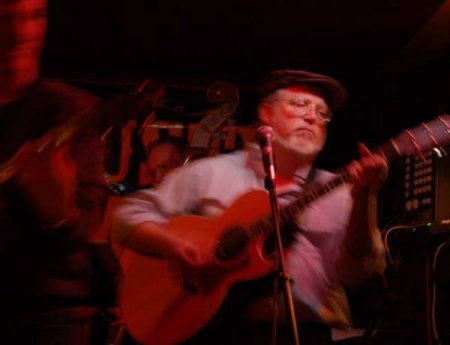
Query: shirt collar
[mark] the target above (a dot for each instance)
(255, 162)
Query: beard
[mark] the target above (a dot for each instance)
(303, 145)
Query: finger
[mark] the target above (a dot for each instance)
(354, 170)
(194, 257)
(363, 150)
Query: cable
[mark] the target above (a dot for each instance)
(385, 236)
(433, 296)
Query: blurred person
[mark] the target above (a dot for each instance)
(163, 155)
(47, 206)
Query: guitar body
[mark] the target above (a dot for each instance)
(158, 306)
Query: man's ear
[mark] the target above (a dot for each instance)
(265, 113)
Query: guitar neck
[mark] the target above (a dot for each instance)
(429, 135)
(135, 104)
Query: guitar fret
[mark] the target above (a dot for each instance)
(383, 151)
(430, 134)
(380, 151)
(312, 196)
(307, 199)
(334, 183)
(256, 230)
(298, 206)
(324, 189)
(439, 149)
(289, 212)
(441, 119)
(285, 216)
(417, 148)
(264, 226)
(394, 145)
(329, 187)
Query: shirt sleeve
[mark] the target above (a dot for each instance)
(354, 271)
(180, 193)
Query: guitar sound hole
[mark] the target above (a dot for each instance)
(232, 244)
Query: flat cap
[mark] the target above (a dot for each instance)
(333, 91)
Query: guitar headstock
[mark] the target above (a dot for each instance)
(434, 134)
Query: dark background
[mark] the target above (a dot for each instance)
(392, 55)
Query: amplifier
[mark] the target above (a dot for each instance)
(427, 188)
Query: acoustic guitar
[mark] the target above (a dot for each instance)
(162, 306)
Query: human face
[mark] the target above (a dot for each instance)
(22, 31)
(299, 120)
(161, 160)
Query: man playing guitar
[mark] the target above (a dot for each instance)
(336, 241)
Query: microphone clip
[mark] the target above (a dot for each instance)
(265, 135)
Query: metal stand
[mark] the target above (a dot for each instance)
(282, 273)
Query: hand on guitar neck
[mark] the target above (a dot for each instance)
(367, 175)
(369, 172)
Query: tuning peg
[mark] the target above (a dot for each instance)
(440, 152)
(438, 149)
(417, 149)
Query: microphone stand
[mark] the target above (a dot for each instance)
(280, 264)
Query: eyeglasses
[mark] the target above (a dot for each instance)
(302, 108)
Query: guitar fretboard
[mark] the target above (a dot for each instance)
(433, 134)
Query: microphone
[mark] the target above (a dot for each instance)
(264, 135)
